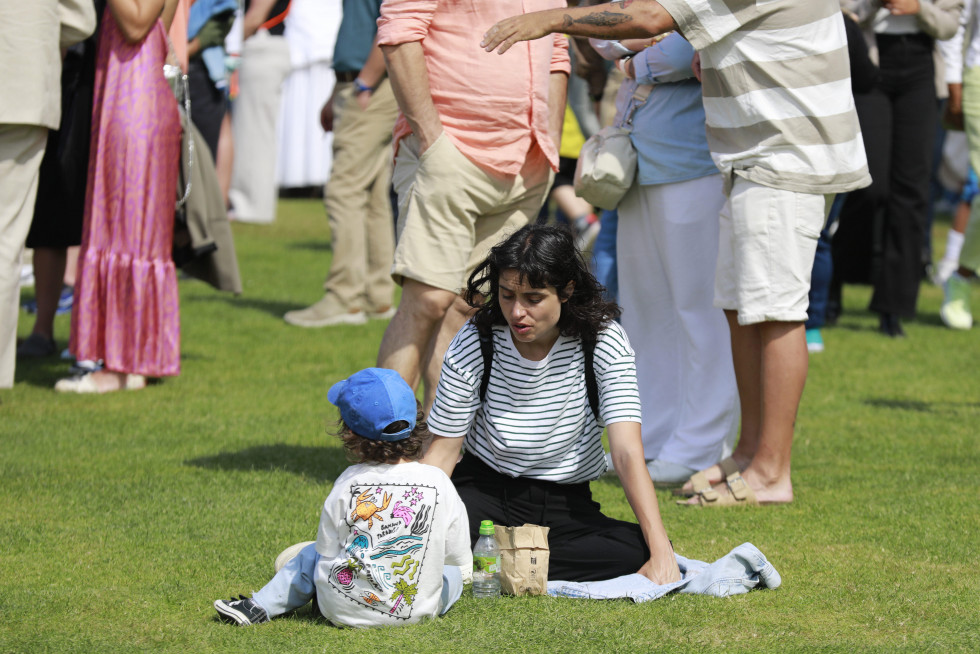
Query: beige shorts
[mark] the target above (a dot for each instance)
(451, 211)
(767, 240)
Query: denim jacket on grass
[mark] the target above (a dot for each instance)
(738, 572)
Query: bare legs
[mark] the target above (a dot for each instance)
(225, 156)
(49, 272)
(411, 340)
(771, 364)
(53, 267)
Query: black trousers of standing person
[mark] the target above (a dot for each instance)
(584, 544)
(882, 227)
(208, 104)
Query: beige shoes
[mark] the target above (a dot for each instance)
(739, 494)
(328, 312)
(86, 384)
(699, 481)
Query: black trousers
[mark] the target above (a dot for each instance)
(585, 544)
(208, 104)
(882, 227)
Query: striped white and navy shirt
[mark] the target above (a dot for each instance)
(776, 84)
(536, 421)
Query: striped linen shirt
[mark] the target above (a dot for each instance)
(536, 421)
(777, 91)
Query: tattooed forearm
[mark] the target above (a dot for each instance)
(600, 19)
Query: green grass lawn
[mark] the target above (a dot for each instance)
(123, 517)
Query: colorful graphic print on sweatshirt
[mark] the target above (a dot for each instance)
(389, 527)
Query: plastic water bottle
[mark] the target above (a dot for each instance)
(486, 563)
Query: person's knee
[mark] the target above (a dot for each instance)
(424, 302)
(452, 587)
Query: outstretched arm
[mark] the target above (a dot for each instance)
(624, 19)
(627, 455)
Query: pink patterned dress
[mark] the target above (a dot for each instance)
(125, 309)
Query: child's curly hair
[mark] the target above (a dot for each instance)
(365, 450)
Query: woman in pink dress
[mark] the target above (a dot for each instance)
(125, 310)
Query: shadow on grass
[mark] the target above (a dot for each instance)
(904, 405)
(46, 371)
(953, 408)
(319, 464)
(274, 308)
(41, 372)
(313, 246)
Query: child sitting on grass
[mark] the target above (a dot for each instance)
(393, 532)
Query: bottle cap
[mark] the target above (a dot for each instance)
(486, 528)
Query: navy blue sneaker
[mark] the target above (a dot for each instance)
(244, 611)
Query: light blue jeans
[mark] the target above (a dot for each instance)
(293, 586)
(738, 572)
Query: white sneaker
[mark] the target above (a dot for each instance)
(85, 384)
(955, 311)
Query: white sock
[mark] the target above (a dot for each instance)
(954, 245)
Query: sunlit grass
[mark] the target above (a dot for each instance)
(123, 517)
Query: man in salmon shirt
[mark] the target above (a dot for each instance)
(476, 149)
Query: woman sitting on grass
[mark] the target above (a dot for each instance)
(533, 440)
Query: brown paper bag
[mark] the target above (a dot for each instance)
(524, 558)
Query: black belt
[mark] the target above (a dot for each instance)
(346, 75)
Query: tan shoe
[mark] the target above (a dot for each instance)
(324, 313)
(382, 313)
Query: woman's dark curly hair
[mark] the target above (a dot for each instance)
(365, 450)
(542, 255)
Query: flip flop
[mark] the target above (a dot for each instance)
(699, 481)
(739, 493)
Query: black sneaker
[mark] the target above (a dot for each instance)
(242, 610)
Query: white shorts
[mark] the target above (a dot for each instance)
(767, 240)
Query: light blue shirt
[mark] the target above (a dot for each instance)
(668, 130)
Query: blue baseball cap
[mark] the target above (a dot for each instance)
(371, 400)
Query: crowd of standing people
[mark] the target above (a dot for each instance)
(748, 129)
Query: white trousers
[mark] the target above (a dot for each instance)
(21, 151)
(265, 65)
(666, 249)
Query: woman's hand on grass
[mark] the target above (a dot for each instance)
(661, 568)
